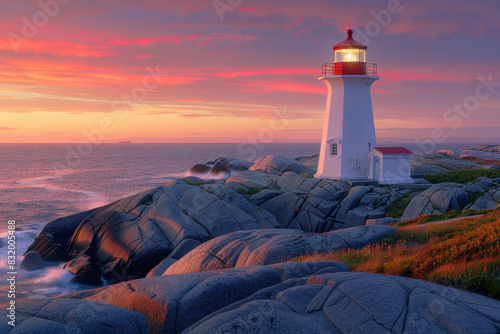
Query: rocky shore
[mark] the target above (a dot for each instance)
(207, 253)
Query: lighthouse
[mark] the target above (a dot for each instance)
(349, 145)
(349, 129)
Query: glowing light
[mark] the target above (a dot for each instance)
(350, 55)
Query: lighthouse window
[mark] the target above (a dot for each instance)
(334, 149)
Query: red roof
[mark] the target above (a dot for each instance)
(350, 43)
(393, 150)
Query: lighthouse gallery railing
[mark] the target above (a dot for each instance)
(367, 69)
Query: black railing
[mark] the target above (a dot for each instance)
(350, 68)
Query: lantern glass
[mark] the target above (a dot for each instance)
(350, 55)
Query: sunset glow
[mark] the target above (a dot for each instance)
(185, 75)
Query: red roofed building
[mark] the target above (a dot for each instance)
(390, 165)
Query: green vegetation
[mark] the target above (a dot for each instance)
(398, 207)
(193, 183)
(463, 176)
(463, 254)
(252, 191)
(475, 196)
(306, 175)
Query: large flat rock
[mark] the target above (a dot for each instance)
(356, 303)
(263, 247)
(173, 303)
(72, 316)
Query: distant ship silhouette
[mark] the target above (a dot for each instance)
(124, 142)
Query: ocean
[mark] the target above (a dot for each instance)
(41, 182)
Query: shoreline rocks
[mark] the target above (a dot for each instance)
(124, 240)
(212, 252)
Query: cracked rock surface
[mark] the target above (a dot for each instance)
(356, 303)
(263, 247)
(444, 197)
(293, 297)
(173, 303)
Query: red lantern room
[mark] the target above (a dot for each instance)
(350, 59)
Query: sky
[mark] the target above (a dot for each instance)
(242, 70)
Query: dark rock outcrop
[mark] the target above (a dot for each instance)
(88, 274)
(220, 166)
(32, 261)
(200, 169)
(47, 247)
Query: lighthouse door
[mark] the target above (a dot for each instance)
(376, 168)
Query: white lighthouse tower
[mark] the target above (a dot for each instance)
(349, 130)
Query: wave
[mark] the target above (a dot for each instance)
(94, 199)
(208, 176)
(160, 178)
(51, 281)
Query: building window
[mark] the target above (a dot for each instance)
(334, 150)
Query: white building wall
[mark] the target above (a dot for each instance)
(349, 118)
(395, 169)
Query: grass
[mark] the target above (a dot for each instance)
(250, 191)
(464, 254)
(194, 183)
(306, 175)
(439, 217)
(463, 176)
(397, 208)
